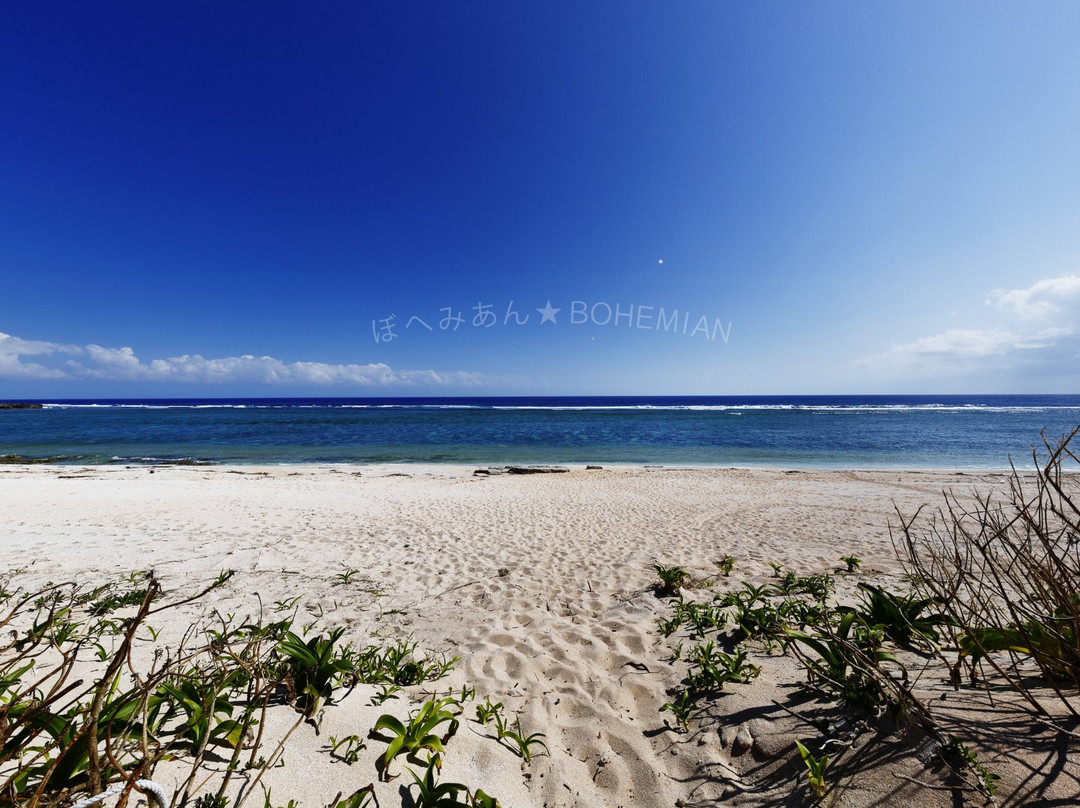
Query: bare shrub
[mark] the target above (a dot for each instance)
(1006, 567)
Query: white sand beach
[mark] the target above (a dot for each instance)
(543, 586)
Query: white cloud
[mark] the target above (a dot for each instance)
(1046, 338)
(959, 342)
(1042, 300)
(121, 364)
(1042, 335)
(13, 349)
(960, 345)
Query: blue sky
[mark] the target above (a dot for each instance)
(209, 199)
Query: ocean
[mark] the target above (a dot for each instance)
(856, 432)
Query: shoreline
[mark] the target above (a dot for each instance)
(20, 463)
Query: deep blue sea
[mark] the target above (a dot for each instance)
(859, 432)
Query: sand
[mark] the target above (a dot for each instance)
(543, 586)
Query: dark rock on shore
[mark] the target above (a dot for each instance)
(21, 405)
(492, 471)
(23, 460)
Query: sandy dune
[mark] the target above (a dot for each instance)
(542, 584)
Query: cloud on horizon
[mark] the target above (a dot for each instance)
(1043, 299)
(1044, 335)
(19, 359)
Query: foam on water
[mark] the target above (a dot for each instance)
(779, 431)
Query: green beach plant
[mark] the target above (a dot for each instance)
(815, 768)
(432, 794)
(726, 564)
(73, 735)
(287, 604)
(668, 626)
(398, 664)
(702, 617)
(417, 734)
(819, 587)
(852, 562)
(848, 661)
(736, 668)
(747, 597)
(500, 723)
(464, 695)
(711, 669)
(518, 742)
(902, 617)
(487, 711)
(209, 800)
(958, 752)
(797, 612)
(348, 748)
(107, 598)
(203, 698)
(315, 667)
(788, 584)
(671, 580)
(682, 708)
(360, 798)
(80, 711)
(268, 802)
(1052, 642)
(754, 615)
(482, 800)
(384, 694)
(343, 577)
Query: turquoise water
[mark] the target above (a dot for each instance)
(979, 432)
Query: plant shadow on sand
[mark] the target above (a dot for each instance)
(883, 716)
